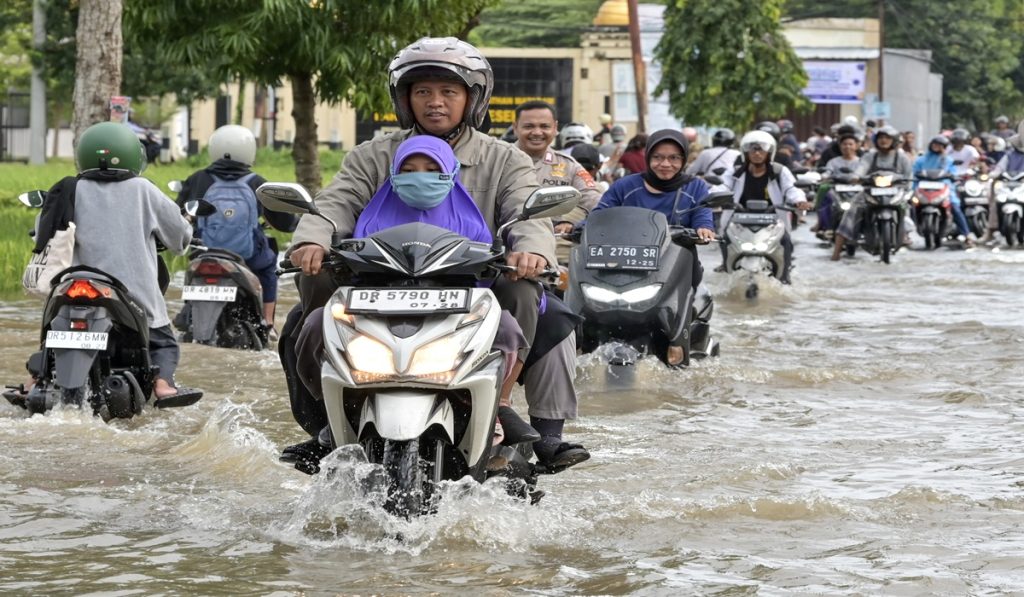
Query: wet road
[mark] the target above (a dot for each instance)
(860, 434)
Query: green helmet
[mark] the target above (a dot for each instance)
(110, 146)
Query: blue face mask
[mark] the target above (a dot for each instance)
(422, 190)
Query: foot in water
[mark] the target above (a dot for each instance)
(167, 396)
(306, 456)
(555, 455)
(674, 356)
(516, 430)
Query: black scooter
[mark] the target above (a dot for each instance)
(630, 277)
(95, 347)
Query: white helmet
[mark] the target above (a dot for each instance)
(234, 143)
(758, 138)
(1015, 142)
(574, 133)
(996, 143)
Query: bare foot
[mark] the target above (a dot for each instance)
(675, 355)
(162, 388)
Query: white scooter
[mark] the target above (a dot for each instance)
(409, 372)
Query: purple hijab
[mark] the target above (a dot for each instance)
(457, 213)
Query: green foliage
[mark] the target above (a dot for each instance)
(345, 44)
(724, 62)
(976, 46)
(535, 23)
(16, 220)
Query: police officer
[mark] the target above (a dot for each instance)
(536, 128)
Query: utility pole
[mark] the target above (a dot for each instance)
(639, 72)
(881, 50)
(37, 106)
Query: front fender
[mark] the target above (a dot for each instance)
(403, 415)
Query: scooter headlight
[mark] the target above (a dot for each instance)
(883, 181)
(973, 188)
(630, 297)
(370, 356)
(600, 295)
(844, 205)
(373, 361)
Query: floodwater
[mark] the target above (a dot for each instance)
(859, 435)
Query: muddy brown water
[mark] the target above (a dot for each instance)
(860, 435)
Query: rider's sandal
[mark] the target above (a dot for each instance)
(183, 397)
(562, 457)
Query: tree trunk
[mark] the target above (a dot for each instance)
(304, 152)
(240, 104)
(97, 63)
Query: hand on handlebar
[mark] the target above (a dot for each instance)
(527, 265)
(706, 235)
(309, 258)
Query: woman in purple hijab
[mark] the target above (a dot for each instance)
(424, 187)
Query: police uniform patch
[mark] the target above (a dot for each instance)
(558, 170)
(587, 178)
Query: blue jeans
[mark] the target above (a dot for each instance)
(959, 218)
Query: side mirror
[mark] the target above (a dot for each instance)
(174, 186)
(550, 202)
(720, 199)
(845, 170)
(958, 162)
(719, 170)
(711, 179)
(288, 197)
(798, 170)
(199, 208)
(293, 198)
(34, 199)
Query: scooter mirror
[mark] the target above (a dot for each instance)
(712, 179)
(719, 171)
(199, 208)
(721, 199)
(549, 202)
(288, 197)
(34, 199)
(845, 170)
(174, 186)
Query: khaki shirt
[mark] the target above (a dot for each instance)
(556, 169)
(496, 174)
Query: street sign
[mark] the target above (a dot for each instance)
(882, 110)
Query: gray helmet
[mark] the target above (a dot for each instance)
(1016, 142)
(1002, 119)
(432, 58)
(939, 139)
(618, 133)
(233, 142)
(961, 135)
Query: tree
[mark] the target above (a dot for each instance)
(535, 23)
(330, 50)
(724, 62)
(98, 63)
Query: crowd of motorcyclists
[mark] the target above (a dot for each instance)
(441, 167)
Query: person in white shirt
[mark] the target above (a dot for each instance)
(964, 156)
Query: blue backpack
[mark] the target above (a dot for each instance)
(236, 222)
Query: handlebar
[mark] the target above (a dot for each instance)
(547, 272)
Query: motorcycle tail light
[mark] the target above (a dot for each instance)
(79, 324)
(82, 289)
(210, 268)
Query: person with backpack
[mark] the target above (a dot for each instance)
(230, 185)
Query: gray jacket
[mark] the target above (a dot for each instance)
(496, 174)
(116, 226)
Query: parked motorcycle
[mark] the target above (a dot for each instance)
(95, 348)
(754, 241)
(1009, 191)
(932, 207)
(630, 277)
(409, 373)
